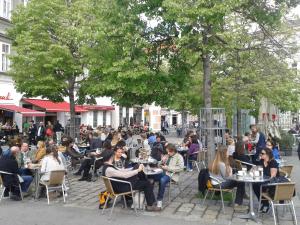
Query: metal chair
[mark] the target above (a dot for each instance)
(283, 193)
(93, 168)
(286, 171)
(171, 184)
(113, 195)
(4, 188)
(55, 183)
(219, 189)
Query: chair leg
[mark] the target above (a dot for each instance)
(106, 201)
(274, 213)
(259, 201)
(223, 207)
(294, 213)
(205, 197)
(134, 205)
(169, 192)
(21, 194)
(113, 206)
(212, 195)
(63, 192)
(47, 191)
(197, 166)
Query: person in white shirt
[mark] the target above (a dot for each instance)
(51, 162)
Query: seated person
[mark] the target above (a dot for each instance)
(25, 157)
(157, 149)
(8, 163)
(119, 161)
(270, 169)
(51, 162)
(41, 152)
(193, 152)
(172, 165)
(72, 150)
(221, 169)
(239, 154)
(129, 175)
(275, 150)
(87, 162)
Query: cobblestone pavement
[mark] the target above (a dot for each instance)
(185, 206)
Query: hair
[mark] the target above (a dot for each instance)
(107, 155)
(269, 153)
(247, 134)
(252, 125)
(240, 148)
(107, 145)
(129, 133)
(144, 136)
(221, 156)
(41, 144)
(53, 149)
(95, 134)
(230, 141)
(194, 139)
(171, 147)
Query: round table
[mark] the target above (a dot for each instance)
(144, 161)
(248, 179)
(35, 168)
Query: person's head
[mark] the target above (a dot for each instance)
(266, 154)
(158, 139)
(171, 149)
(129, 133)
(230, 141)
(240, 148)
(108, 157)
(118, 151)
(24, 147)
(95, 134)
(49, 123)
(41, 144)
(50, 142)
(194, 139)
(14, 150)
(220, 157)
(52, 150)
(107, 145)
(253, 128)
(41, 123)
(144, 136)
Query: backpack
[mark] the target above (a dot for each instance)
(204, 180)
(102, 199)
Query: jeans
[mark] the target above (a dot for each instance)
(27, 181)
(191, 158)
(163, 181)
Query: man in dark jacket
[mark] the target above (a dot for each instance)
(157, 149)
(9, 164)
(41, 132)
(32, 133)
(95, 142)
(58, 129)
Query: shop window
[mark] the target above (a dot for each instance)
(5, 50)
(5, 9)
(95, 118)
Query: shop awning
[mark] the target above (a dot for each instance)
(50, 106)
(98, 107)
(23, 111)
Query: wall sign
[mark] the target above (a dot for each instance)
(7, 97)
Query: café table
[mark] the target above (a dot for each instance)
(152, 171)
(144, 161)
(35, 168)
(251, 180)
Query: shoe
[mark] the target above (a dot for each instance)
(190, 170)
(264, 209)
(77, 173)
(6, 193)
(153, 208)
(15, 198)
(240, 208)
(159, 204)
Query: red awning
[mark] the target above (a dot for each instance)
(98, 107)
(23, 111)
(50, 106)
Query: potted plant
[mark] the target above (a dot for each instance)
(286, 143)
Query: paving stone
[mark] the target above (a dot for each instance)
(193, 217)
(186, 207)
(211, 212)
(174, 204)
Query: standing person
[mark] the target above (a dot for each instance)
(58, 129)
(41, 132)
(32, 131)
(49, 130)
(258, 139)
(26, 126)
(192, 152)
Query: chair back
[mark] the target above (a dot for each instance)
(201, 156)
(1, 182)
(56, 177)
(287, 169)
(108, 185)
(284, 191)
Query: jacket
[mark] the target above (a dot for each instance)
(175, 166)
(8, 163)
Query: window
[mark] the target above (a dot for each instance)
(5, 50)
(95, 118)
(5, 8)
(104, 118)
(25, 2)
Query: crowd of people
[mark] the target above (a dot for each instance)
(112, 150)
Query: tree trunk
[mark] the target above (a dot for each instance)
(239, 122)
(207, 95)
(72, 107)
(184, 124)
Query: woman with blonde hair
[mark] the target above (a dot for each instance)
(221, 170)
(41, 151)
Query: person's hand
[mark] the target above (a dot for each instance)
(164, 167)
(141, 168)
